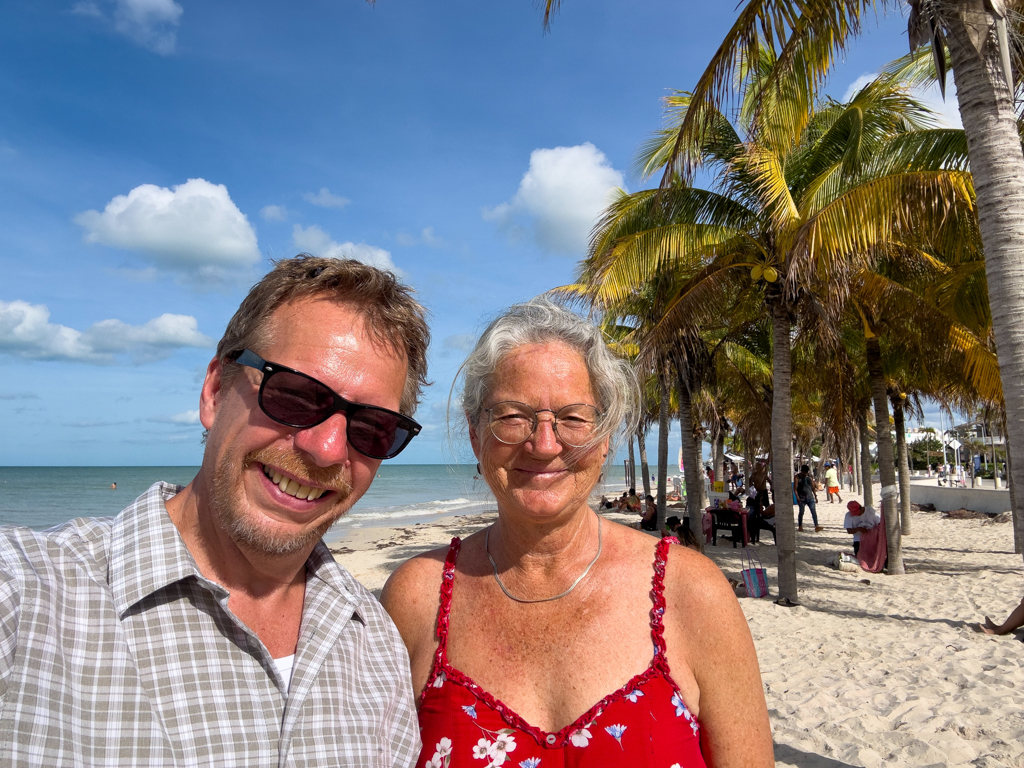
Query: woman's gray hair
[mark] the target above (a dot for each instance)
(542, 321)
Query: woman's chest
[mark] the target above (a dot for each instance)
(551, 666)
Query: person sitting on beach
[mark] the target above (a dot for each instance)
(649, 518)
(681, 530)
(497, 625)
(1014, 621)
(859, 519)
(209, 625)
(633, 501)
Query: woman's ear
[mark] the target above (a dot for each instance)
(474, 436)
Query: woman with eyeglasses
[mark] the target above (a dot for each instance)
(555, 637)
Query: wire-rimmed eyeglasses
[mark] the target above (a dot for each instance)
(513, 423)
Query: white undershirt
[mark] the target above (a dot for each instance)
(284, 668)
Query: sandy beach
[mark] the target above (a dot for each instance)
(870, 670)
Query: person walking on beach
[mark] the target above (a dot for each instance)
(832, 482)
(209, 624)
(804, 487)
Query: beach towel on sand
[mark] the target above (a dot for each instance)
(874, 546)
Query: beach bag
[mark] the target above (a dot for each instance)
(755, 579)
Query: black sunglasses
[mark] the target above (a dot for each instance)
(294, 399)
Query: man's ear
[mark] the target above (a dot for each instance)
(209, 396)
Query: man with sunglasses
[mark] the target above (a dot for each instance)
(209, 625)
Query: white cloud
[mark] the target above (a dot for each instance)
(559, 198)
(87, 9)
(855, 87)
(274, 212)
(314, 240)
(325, 199)
(152, 24)
(426, 237)
(187, 417)
(26, 331)
(193, 228)
(460, 342)
(947, 113)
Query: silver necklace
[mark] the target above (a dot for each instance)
(572, 586)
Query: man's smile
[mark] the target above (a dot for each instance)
(293, 487)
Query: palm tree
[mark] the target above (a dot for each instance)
(794, 207)
(808, 35)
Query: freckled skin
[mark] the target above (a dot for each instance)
(534, 479)
(551, 662)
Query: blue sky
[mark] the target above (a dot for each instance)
(155, 154)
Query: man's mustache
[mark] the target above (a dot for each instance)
(333, 478)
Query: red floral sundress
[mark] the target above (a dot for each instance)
(643, 724)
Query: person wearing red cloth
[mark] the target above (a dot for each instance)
(554, 636)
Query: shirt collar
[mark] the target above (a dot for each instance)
(147, 554)
(146, 550)
(322, 566)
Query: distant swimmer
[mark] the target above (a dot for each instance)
(113, 486)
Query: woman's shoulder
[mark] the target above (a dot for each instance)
(411, 593)
(694, 585)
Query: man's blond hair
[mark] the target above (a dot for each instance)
(391, 315)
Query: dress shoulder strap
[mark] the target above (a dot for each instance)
(447, 580)
(658, 596)
(437, 671)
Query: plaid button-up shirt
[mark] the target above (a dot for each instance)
(115, 650)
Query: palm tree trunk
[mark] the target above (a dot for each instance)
(902, 458)
(691, 461)
(748, 463)
(664, 422)
(886, 463)
(782, 448)
(857, 473)
(720, 452)
(1018, 515)
(631, 471)
(641, 441)
(997, 165)
(865, 457)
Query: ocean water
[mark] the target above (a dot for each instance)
(41, 497)
(401, 494)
